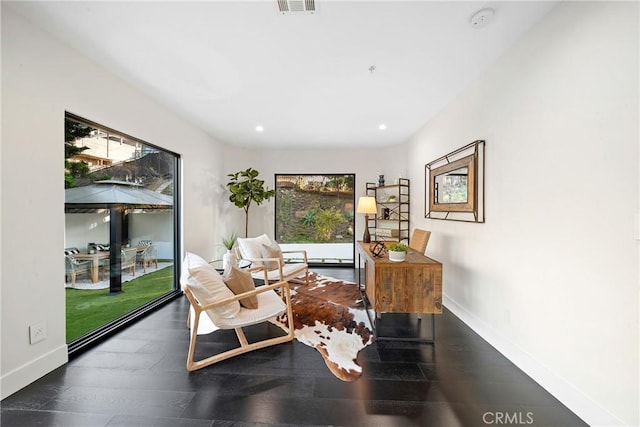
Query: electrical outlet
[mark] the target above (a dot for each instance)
(37, 332)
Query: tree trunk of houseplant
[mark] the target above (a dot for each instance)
(245, 188)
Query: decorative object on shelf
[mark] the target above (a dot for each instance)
(386, 213)
(377, 249)
(454, 185)
(397, 251)
(391, 198)
(387, 232)
(245, 188)
(229, 258)
(367, 205)
(380, 180)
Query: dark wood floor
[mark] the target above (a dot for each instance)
(138, 378)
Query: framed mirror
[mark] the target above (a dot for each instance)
(454, 185)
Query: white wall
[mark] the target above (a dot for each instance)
(551, 278)
(41, 79)
(154, 226)
(365, 163)
(83, 228)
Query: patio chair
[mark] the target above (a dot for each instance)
(104, 267)
(74, 267)
(263, 251)
(208, 293)
(147, 257)
(128, 260)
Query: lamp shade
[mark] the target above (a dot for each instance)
(367, 205)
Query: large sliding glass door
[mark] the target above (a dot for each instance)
(316, 213)
(121, 228)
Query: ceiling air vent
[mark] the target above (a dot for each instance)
(289, 6)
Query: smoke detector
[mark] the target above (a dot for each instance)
(481, 18)
(290, 6)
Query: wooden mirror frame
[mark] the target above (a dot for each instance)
(470, 206)
(470, 156)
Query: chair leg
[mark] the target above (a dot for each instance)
(195, 365)
(245, 347)
(241, 337)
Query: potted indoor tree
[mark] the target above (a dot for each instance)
(397, 251)
(246, 188)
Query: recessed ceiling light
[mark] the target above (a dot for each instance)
(259, 128)
(382, 126)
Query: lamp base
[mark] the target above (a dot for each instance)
(367, 237)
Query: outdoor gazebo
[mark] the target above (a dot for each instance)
(118, 197)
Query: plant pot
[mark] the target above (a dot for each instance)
(397, 256)
(228, 259)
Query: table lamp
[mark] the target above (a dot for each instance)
(367, 205)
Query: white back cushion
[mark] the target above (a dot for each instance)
(208, 286)
(251, 247)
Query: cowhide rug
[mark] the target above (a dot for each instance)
(329, 316)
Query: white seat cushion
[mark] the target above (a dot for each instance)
(269, 305)
(288, 271)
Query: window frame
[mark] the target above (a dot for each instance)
(84, 342)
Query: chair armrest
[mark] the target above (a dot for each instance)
(258, 268)
(278, 260)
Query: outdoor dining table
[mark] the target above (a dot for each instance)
(96, 257)
(95, 261)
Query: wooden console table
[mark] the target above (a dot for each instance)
(411, 286)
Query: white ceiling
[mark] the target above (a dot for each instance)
(228, 66)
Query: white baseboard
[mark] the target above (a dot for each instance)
(580, 404)
(35, 369)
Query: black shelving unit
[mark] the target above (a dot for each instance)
(391, 223)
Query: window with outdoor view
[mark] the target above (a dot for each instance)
(316, 213)
(121, 228)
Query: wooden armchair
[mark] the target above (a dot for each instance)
(263, 251)
(207, 293)
(419, 240)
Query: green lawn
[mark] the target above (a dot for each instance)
(88, 310)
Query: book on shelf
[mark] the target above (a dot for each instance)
(387, 232)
